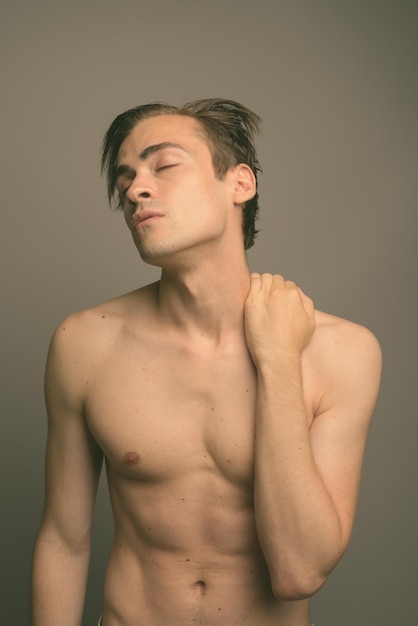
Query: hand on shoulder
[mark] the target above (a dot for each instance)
(279, 317)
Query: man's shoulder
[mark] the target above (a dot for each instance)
(98, 325)
(116, 309)
(342, 333)
(341, 346)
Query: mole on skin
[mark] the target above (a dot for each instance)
(131, 458)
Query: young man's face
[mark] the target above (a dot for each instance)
(172, 200)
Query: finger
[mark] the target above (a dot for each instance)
(255, 283)
(306, 301)
(303, 294)
(289, 284)
(277, 281)
(269, 280)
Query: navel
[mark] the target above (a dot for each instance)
(199, 586)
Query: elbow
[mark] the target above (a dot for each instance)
(61, 540)
(301, 577)
(297, 587)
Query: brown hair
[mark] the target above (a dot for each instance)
(229, 126)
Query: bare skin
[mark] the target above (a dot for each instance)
(231, 415)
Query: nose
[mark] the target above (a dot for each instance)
(139, 189)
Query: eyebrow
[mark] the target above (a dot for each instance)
(145, 154)
(159, 146)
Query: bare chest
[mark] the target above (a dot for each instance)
(159, 412)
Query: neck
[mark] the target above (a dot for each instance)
(206, 302)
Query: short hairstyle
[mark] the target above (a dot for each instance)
(230, 128)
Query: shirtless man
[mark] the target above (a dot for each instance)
(231, 415)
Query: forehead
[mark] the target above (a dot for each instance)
(177, 129)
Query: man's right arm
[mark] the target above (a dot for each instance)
(73, 465)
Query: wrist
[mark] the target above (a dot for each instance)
(280, 364)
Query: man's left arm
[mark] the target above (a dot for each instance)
(306, 475)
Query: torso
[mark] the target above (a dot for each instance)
(176, 425)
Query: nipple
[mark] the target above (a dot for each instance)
(131, 458)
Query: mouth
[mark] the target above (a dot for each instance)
(143, 217)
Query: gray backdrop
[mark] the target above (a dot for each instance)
(336, 85)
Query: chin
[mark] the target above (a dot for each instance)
(156, 255)
(170, 252)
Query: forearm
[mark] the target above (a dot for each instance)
(298, 526)
(59, 579)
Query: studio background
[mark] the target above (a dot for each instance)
(336, 85)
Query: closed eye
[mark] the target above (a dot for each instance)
(165, 167)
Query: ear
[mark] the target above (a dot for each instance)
(244, 183)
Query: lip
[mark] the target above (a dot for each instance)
(144, 216)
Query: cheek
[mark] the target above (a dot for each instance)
(198, 196)
(127, 219)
